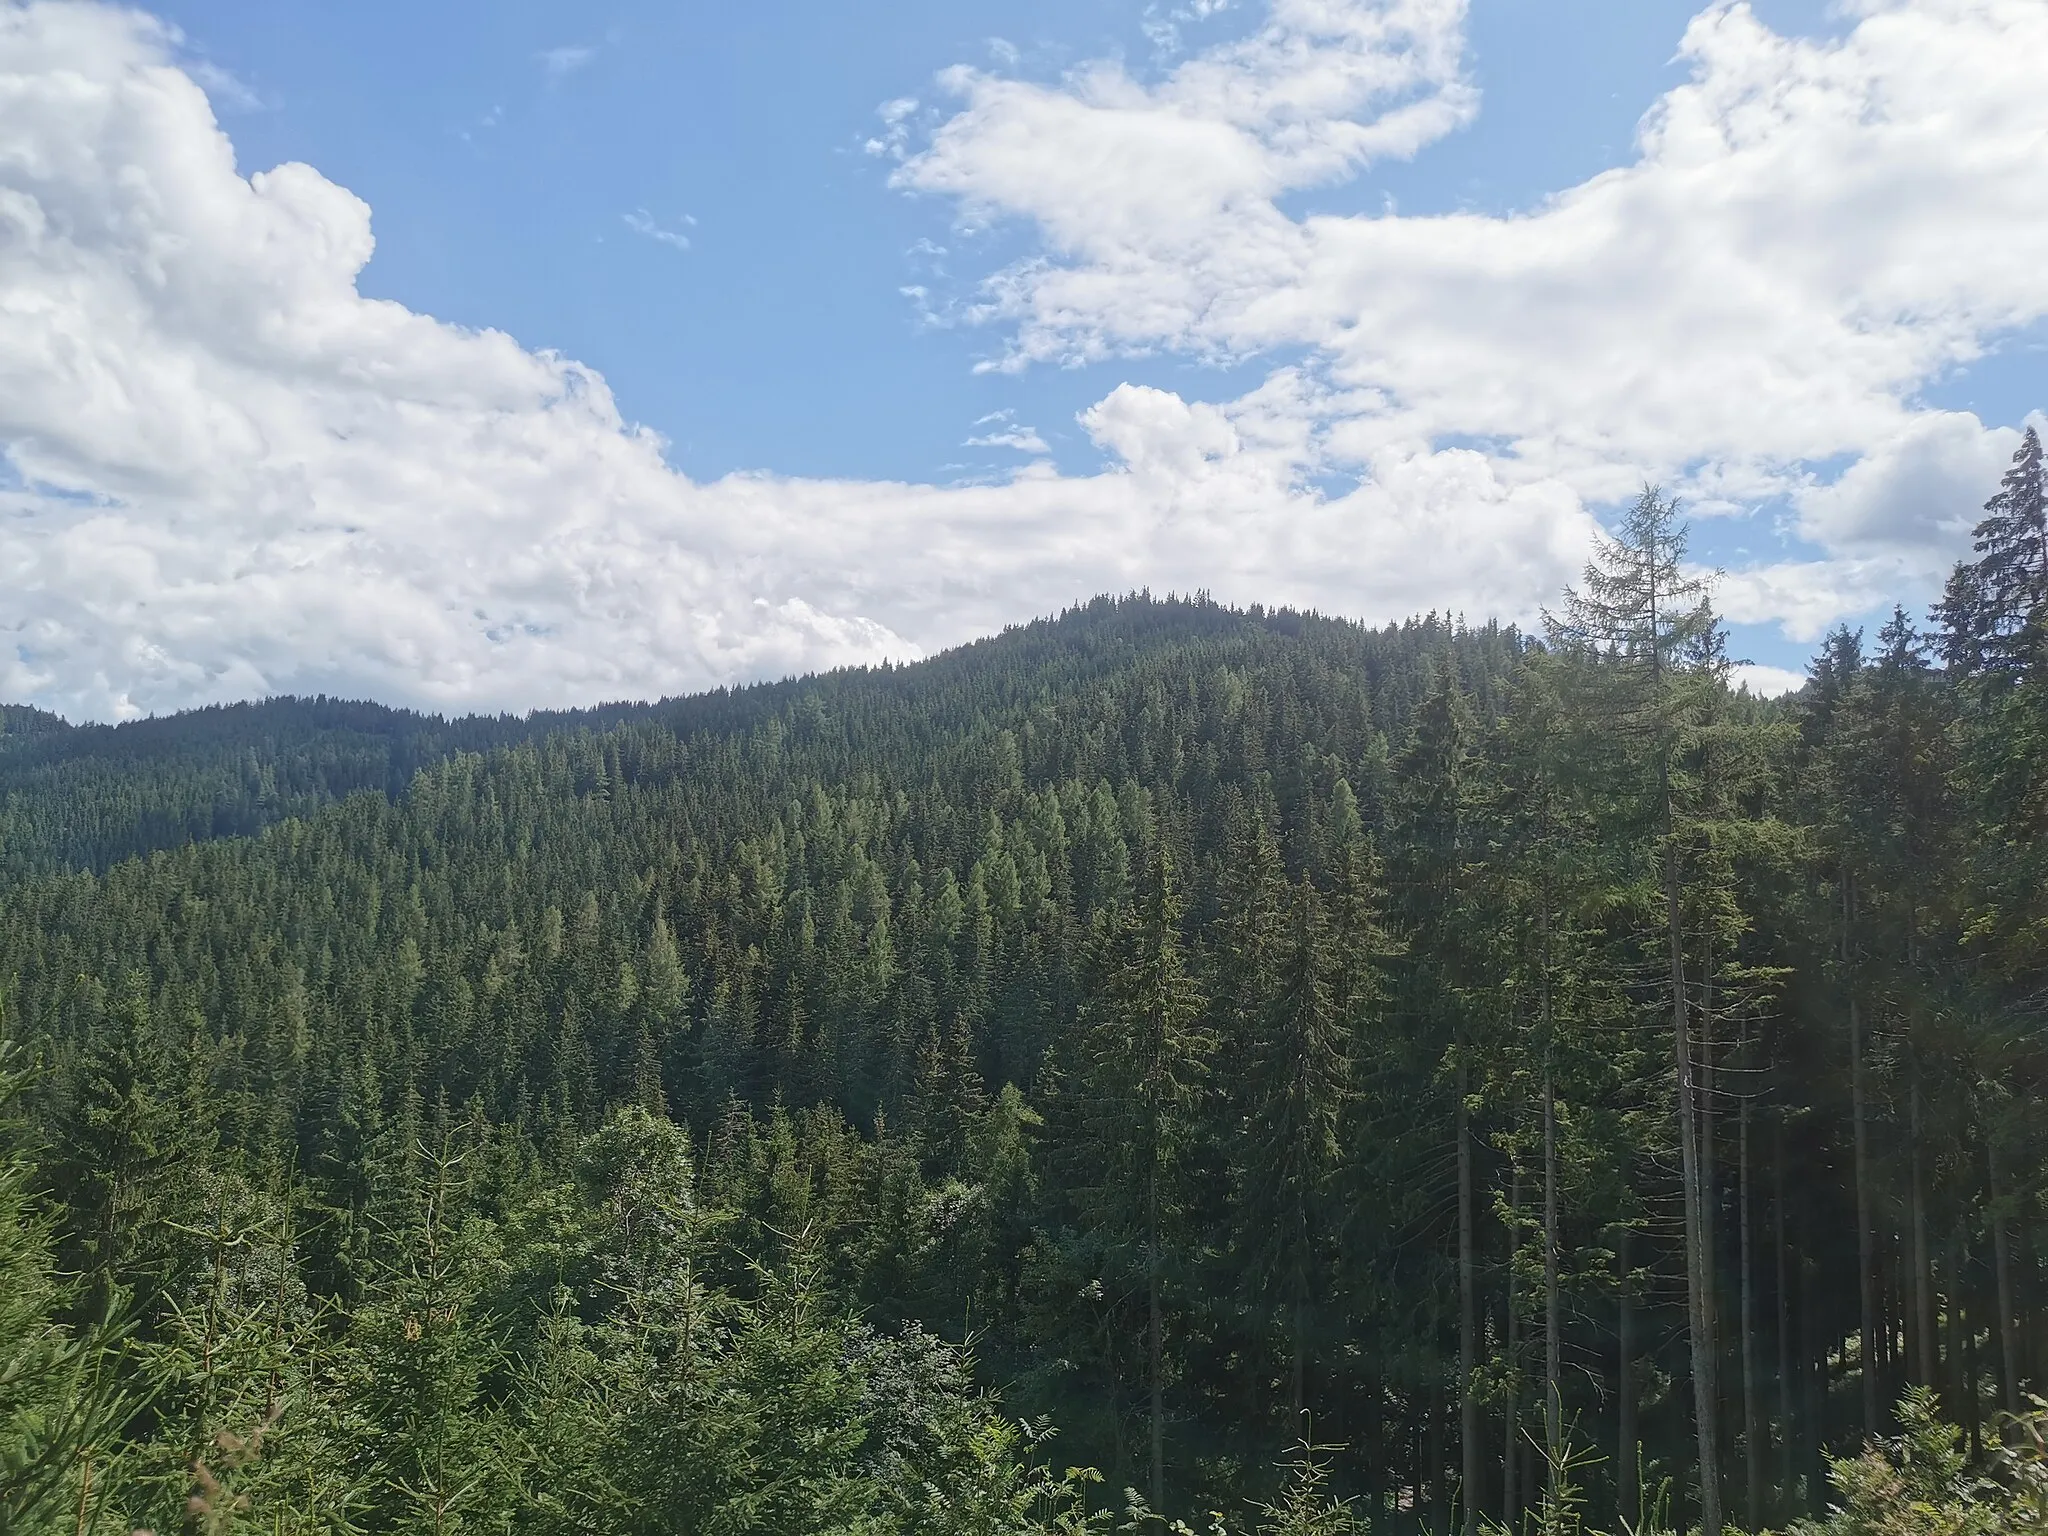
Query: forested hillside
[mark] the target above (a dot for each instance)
(86, 797)
(1431, 1076)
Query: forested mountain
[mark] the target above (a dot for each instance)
(86, 797)
(1433, 1075)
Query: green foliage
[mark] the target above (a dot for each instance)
(1919, 1484)
(729, 1114)
(62, 1400)
(1305, 1506)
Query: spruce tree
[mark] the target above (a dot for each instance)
(1143, 1053)
(1642, 634)
(1993, 608)
(63, 1400)
(1299, 1073)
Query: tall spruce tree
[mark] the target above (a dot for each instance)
(1143, 1053)
(1642, 632)
(1298, 1076)
(1440, 976)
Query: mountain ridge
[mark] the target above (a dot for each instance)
(82, 796)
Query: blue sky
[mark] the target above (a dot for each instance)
(502, 147)
(715, 210)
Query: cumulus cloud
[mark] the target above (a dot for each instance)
(1916, 492)
(1893, 520)
(232, 473)
(238, 475)
(1158, 202)
(1811, 231)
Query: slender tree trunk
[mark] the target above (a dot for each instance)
(1297, 1375)
(1973, 1382)
(1418, 1439)
(1813, 1381)
(1511, 1415)
(1628, 1466)
(1152, 1335)
(1553, 1303)
(1468, 1306)
(1887, 1323)
(1955, 1324)
(1752, 1419)
(1439, 1473)
(1375, 1435)
(1699, 1318)
(1788, 1428)
(1924, 1368)
(1703, 1048)
(1866, 1231)
(2001, 1263)
(1532, 1496)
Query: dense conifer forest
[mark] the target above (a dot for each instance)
(1281, 1074)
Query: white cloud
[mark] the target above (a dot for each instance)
(1918, 492)
(238, 475)
(642, 223)
(1162, 24)
(224, 87)
(1768, 682)
(1173, 185)
(1811, 232)
(894, 140)
(1006, 432)
(565, 60)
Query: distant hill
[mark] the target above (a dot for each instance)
(84, 797)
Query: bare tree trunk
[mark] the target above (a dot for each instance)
(1376, 1466)
(2001, 1263)
(1298, 1375)
(1439, 1473)
(1813, 1382)
(1511, 1437)
(1698, 1314)
(1866, 1232)
(1887, 1322)
(1532, 1495)
(1703, 1047)
(1418, 1432)
(1955, 1324)
(1153, 1351)
(1787, 1422)
(1468, 1306)
(1752, 1420)
(1924, 1368)
(1298, 1282)
(1553, 1302)
(1973, 1382)
(1628, 1466)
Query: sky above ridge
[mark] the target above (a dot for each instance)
(507, 355)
